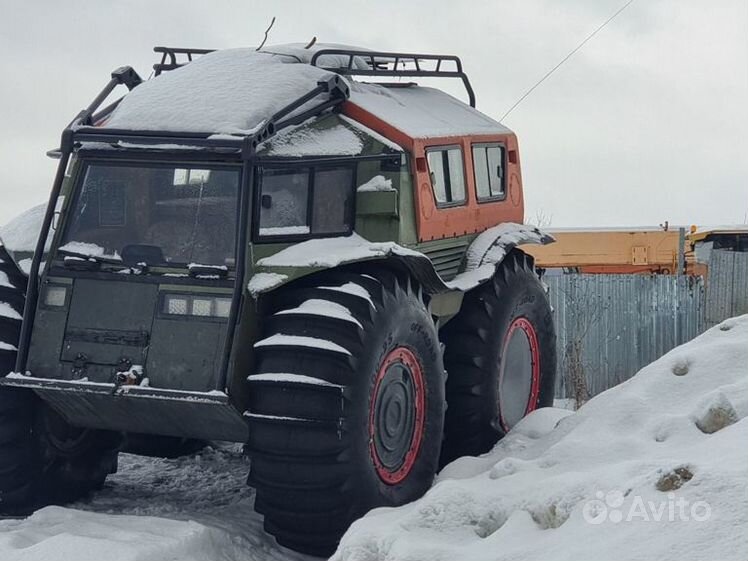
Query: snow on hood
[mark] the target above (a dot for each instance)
(231, 91)
(588, 485)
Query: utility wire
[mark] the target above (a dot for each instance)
(567, 57)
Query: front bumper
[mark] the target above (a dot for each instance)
(106, 406)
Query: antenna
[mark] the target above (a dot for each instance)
(567, 57)
(272, 22)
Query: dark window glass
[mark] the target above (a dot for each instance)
(332, 200)
(302, 201)
(447, 175)
(488, 162)
(284, 202)
(155, 214)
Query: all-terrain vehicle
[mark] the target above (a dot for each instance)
(254, 246)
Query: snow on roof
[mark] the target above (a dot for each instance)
(422, 112)
(231, 91)
(590, 484)
(300, 53)
(303, 140)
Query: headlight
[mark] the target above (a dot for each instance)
(177, 305)
(223, 307)
(200, 306)
(55, 296)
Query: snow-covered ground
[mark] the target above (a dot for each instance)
(614, 481)
(656, 468)
(197, 508)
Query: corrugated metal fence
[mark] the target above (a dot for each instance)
(727, 286)
(610, 326)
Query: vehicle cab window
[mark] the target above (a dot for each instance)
(447, 175)
(488, 163)
(305, 202)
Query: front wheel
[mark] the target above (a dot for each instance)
(500, 356)
(43, 459)
(346, 408)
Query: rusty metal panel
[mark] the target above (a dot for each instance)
(610, 326)
(727, 286)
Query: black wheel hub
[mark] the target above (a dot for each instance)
(396, 419)
(394, 416)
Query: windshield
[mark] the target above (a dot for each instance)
(159, 215)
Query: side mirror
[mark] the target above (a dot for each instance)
(266, 201)
(499, 172)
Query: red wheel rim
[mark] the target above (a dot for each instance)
(520, 360)
(396, 415)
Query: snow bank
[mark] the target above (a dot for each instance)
(652, 469)
(231, 91)
(192, 508)
(59, 534)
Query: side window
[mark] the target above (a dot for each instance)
(488, 163)
(447, 175)
(332, 201)
(304, 201)
(284, 202)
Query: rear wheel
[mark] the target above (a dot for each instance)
(43, 459)
(501, 359)
(346, 407)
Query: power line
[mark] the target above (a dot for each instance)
(567, 57)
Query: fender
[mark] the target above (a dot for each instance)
(482, 258)
(19, 236)
(316, 255)
(489, 249)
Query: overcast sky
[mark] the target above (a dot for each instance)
(649, 122)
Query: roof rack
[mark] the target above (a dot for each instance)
(170, 57)
(84, 127)
(380, 63)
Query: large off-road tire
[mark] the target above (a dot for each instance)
(12, 298)
(500, 356)
(346, 407)
(43, 460)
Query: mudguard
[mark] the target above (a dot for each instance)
(483, 255)
(19, 236)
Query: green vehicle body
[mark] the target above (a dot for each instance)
(192, 381)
